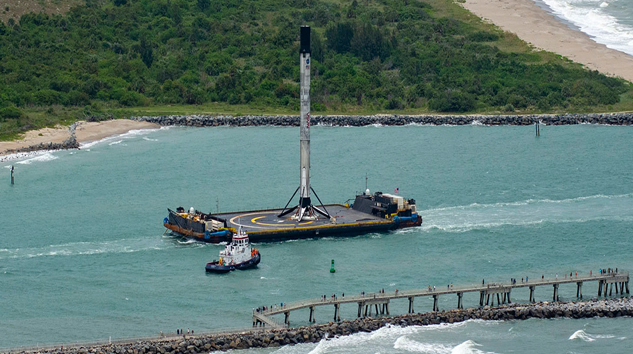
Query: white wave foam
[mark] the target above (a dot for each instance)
(586, 337)
(128, 135)
(468, 347)
(581, 335)
(47, 156)
(591, 17)
(149, 139)
(116, 142)
(464, 218)
(85, 248)
(22, 155)
(409, 345)
(604, 4)
(399, 336)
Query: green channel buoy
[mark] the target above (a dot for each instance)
(332, 270)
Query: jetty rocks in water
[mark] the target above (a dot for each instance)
(70, 143)
(315, 333)
(393, 119)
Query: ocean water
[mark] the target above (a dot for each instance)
(83, 256)
(609, 22)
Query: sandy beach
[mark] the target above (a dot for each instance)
(541, 29)
(85, 132)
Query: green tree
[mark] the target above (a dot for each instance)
(147, 52)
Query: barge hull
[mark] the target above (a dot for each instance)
(265, 225)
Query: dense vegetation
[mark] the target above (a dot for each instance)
(381, 55)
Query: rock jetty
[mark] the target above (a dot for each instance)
(70, 143)
(625, 118)
(314, 333)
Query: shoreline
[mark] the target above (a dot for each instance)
(245, 339)
(544, 30)
(58, 138)
(61, 138)
(624, 118)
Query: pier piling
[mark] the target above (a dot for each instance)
(579, 290)
(600, 288)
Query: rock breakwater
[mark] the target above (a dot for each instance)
(315, 333)
(70, 143)
(625, 118)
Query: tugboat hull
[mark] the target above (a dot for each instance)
(214, 267)
(251, 263)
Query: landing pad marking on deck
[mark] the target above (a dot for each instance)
(255, 223)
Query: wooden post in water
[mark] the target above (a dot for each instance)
(538, 129)
(600, 288)
(411, 304)
(579, 290)
(532, 293)
(12, 168)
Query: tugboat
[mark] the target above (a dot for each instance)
(236, 255)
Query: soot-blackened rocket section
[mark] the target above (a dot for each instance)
(304, 210)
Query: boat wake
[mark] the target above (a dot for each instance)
(528, 212)
(86, 248)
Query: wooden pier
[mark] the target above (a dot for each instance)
(379, 302)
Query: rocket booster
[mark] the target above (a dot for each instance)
(304, 133)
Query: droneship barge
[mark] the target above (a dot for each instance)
(369, 213)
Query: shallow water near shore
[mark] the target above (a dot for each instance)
(83, 258)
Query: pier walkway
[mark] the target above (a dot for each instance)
(487, 293)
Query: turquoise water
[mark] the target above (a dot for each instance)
(83, 258)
